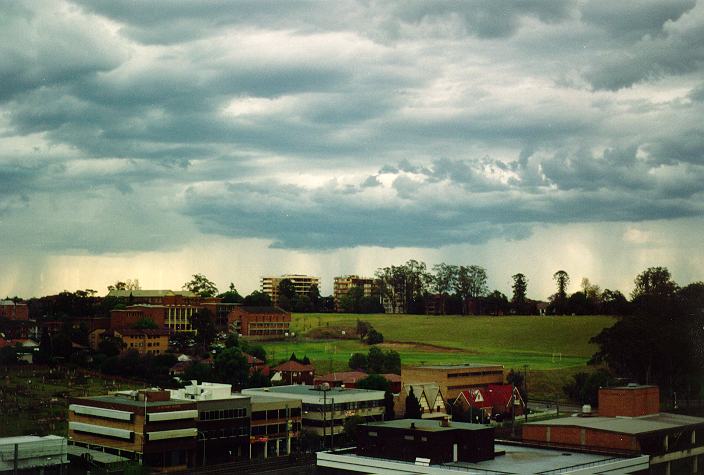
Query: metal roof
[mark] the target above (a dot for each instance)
(428, 425)
(626, 425)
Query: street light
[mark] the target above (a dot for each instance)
(201, 433)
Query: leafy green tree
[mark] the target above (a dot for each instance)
(314, 297)
(232, 341)
(496, 303)
(202, 323)
(351, 427)
(374, 337)
(201, 285)
(231, 367)
(358, 361)
(259, 380)
(443, 281)
(413, 409)
(375, 360)
(110, 345)
(520, 291)
(389, 413)
(392, 362)
(375, 382)
(145, 323)
(257, 299)
(363, 328)
(585, 387)
(654, 282)
(287, 289)
(231, 296)
(197, 371)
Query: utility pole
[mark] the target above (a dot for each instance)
(525, 390)
(332, 426)
(513, 410)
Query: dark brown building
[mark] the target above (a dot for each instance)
(276, 426)
(438, 441)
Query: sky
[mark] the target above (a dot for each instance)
(156, 140)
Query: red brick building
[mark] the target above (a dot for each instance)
(630, 423)
(128, 317)
(13, 311)
(495, 399)
(259, 322)
(293, 372)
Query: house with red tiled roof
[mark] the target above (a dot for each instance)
(491, 400)
(255, 364)
(293, 372)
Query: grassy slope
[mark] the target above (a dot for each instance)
(557, 346)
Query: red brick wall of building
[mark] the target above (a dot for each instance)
(18, 311)
(247, 318)
(572, 436)
(126, 318)
(629, 402)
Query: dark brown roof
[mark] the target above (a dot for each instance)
(294, 366)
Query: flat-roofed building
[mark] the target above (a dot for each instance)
(453, 379)
(145, 425)
(437, 441)
(674, 442)
(343, 284)
(180, 305)
(325, 408)
(14, 310)
(301, 284)
(33, 454)
(259, 322)
(275, 425)
(133, 314)
(223, 421)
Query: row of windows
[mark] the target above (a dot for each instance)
(276, 414)
(476, 373)
(222, 414)
(275, 429)
(226, 432)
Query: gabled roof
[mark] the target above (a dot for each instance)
(294, 366)
(501, 394)
(345, 377)
(429, 391)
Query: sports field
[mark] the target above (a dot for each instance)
(557, 344)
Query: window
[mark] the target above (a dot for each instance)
(372, 434)
(408, 437)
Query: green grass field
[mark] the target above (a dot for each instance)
(558, 346)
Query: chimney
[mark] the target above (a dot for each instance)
(445, 422)
(413, 425)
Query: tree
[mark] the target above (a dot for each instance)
(129, 284)
(559, 300)
(351, 427)
(520, 290)
(374, 337)
(375, 382)
(257, 299)
(259, 380)
(389, 413)
(231, 367)
(375, 360)
(413, 409)
(287, 289)
(518, 380)
(496, 303)
(444, 281)
(145, 323)
(358, 361)
(231, 296)
(201, 285)
(470, 283)
(8, 356)
(392, 362)
(585, 387)
(202, 323)
(654, 282)
(314, 297)
(197, 371)
(110, 345)
(363, 328)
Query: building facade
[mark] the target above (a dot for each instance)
(326, 409)
(259, 322)
(180, 305)
(301, 284)
(453, 379)
(14, 311)
(630, 424)
(343, 284)
(275, 426)
(293, 372)
(145, 425)
(223, 422)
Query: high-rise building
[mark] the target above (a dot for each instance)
(301, 284)
(342, 285)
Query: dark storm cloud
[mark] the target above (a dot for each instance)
(444, 122)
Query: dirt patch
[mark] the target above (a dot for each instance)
(332, 333)
(408, 346)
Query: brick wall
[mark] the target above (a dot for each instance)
(629, 402)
